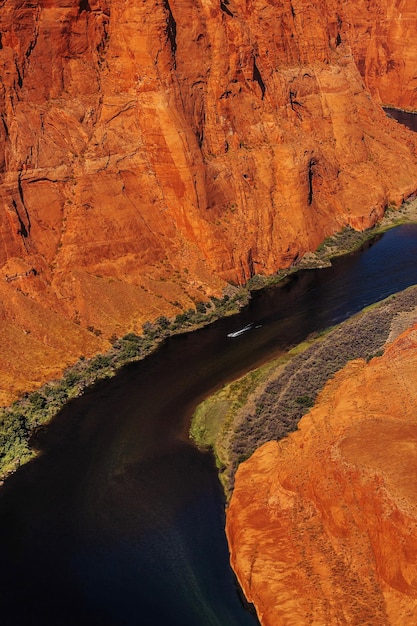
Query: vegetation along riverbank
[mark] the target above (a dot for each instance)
(19, 421)
(267, 403)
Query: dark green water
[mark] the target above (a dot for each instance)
(120, 521)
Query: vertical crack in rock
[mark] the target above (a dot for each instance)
(251, 264)
(171, 30)
(84, 6)
(339, 28)
(22, 230)
(243, 273)
(33, 42)
(6, 128)
(200, 132)
(4, 140)
(225, 9)
(25, 229)
(19, 76)
(295, 103)
(258, 78)
(311, 165)
(104, 41)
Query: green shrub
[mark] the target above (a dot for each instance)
(305, 401)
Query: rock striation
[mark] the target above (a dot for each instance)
(152, 152)
(322, 525)
(380, 34)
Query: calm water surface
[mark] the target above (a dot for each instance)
(120, 521)
(404, 117)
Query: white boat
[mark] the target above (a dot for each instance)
(241, 331)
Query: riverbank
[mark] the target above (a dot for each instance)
(341, 243)
(349, 240)
(321, 523)
(20, 420)
(267, 403)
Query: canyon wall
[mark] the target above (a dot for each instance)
(381, 36)
(322, 525)
(152, 152)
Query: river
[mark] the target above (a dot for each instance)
(404, 117)
(120, 520)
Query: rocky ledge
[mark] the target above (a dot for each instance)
(322, 525)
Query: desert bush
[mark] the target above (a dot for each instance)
(275, 411)
(201, 307)
(163, 322)
(99, 362)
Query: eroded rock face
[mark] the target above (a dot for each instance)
(322, 525)
(152, 151)
(380, 34)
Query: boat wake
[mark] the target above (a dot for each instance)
(240, 331)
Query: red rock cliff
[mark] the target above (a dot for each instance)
(380, 34)
(323, 524)
(151, 151)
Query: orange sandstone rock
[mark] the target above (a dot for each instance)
(150, 152)
(380, 34)
(322, 525)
